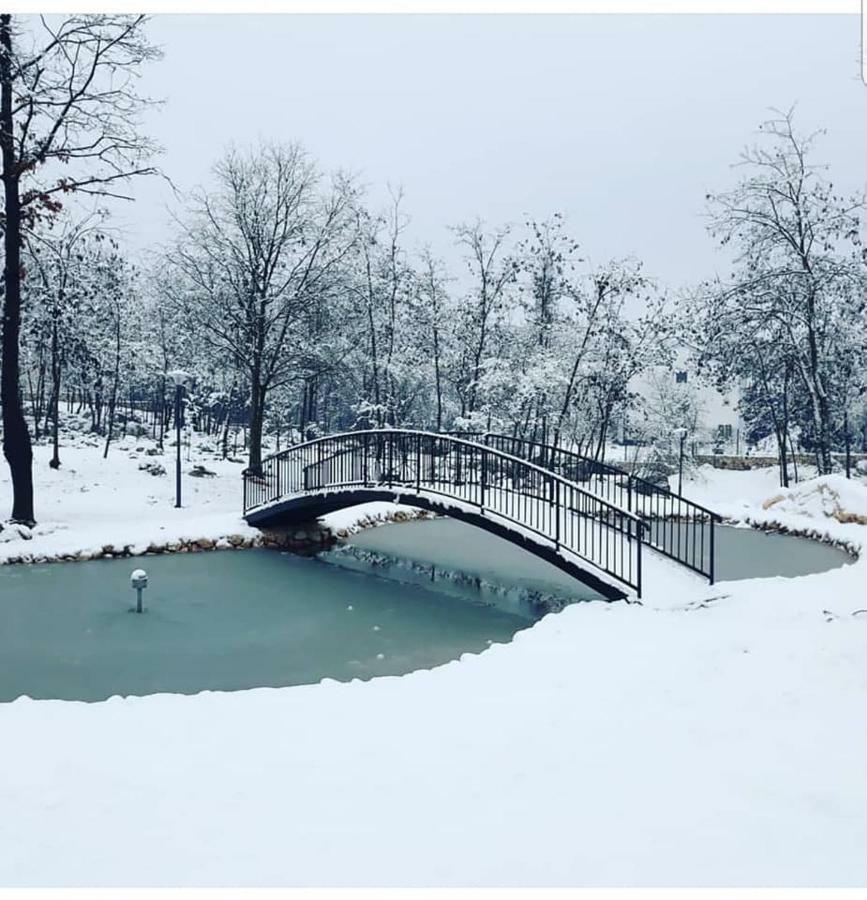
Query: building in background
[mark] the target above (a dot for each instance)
(677, 397)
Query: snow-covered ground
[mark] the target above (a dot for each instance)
(91, 502)
(713, 736)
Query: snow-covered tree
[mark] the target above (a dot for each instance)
(483, 311)
(795, 301)
(65, 270)
(257, 257)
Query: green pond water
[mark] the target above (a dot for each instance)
(223, 620)
(396, 599)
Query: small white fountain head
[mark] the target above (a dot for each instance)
(138, 579)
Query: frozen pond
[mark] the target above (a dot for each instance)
(223, 620)
(750, 553)
(444, 546)
(394, 599)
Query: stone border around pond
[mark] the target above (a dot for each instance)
(301, 539)
(315, 536)
(124, 551)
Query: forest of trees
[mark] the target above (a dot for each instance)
(299, 309)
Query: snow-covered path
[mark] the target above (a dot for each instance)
(711, 744)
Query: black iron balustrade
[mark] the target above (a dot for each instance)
(677, 527)
(531, 499)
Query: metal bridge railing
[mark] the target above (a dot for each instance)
(677, 527)
(534, 499)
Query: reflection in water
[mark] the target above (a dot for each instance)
(456, 546)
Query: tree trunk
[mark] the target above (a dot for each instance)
(16, 438)
(161, 410)
(848, 444)
(824, 449)
(794, 458)
(782, 454)
(816, 389)
(112, 403)
(439, 383)
(225, 439)
(37, 393)
(55, 412)
(257, 416)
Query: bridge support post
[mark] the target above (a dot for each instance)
(365, 453)
(711, 567)
(556, 513)
(390, 463)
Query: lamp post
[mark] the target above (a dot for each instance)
(180, 380)
(681, 433)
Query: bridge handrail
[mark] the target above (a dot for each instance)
(666, 514)
(601, 465)
(471, 444)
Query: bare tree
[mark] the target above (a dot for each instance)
(606, 346)
(67, 96)
(384, 283)
(64, 261)
(799, 275)
(116, 290)
(256, 259)
(492, 272)
(432, 309)
(547, 261)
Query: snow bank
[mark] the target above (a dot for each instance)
(608, 745)
(716, 741)
(831, 496)
(344, 522)
(91, 504)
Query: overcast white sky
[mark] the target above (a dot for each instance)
(621, 122)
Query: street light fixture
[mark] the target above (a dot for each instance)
(180, 380)
(681, 433)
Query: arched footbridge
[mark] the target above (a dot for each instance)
(592, 520)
